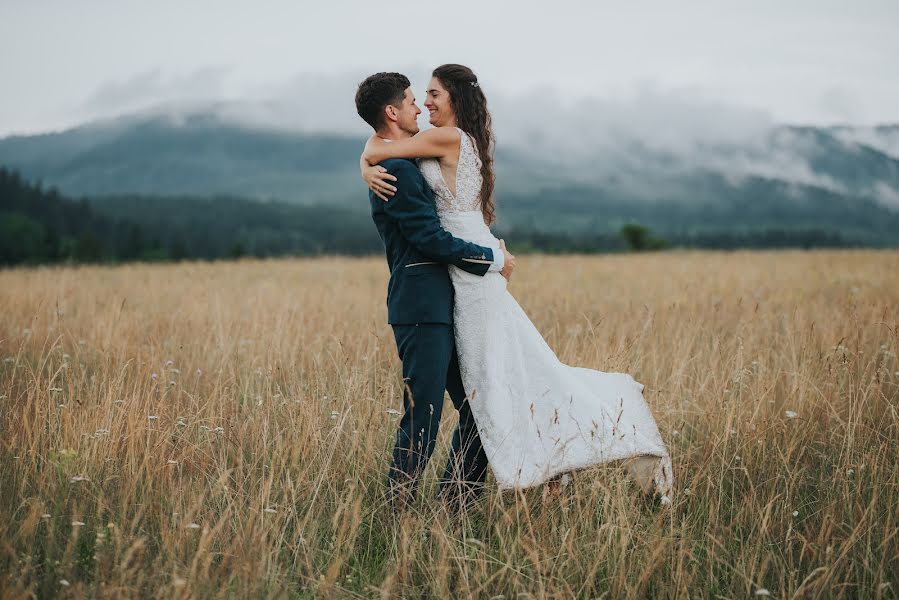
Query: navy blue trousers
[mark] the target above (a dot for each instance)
(430, 366)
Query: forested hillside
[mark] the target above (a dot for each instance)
(39, 225)
(789, 186)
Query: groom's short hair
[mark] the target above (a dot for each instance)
(376, 92)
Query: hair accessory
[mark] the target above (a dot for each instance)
(475, 84)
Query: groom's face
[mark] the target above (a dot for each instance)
(407, 113)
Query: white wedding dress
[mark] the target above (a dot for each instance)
(536, 417)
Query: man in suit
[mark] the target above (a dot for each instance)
(420, 305)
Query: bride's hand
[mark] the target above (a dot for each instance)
(378, 180)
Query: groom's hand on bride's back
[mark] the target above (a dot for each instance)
(509, 264)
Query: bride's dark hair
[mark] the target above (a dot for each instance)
(470, 106)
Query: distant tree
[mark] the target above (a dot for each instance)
(635, 235)
(638, 239)
(237, 250)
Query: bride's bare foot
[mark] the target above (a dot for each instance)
(652, 474)
(552, 489)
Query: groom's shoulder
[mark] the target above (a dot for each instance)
(398, 166)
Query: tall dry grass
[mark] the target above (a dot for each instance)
(221, 430)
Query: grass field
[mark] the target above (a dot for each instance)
(221, 430)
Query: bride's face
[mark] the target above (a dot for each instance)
(437, 101)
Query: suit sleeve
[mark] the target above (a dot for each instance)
(417, 218)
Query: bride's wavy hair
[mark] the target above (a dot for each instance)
(470, 106)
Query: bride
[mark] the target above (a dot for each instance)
(537, 417)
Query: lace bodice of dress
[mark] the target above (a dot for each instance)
(468, 179)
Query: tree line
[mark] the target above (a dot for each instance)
(39, 226)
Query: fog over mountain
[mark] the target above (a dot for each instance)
(651, 147)
(641, 134)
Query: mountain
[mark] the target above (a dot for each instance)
(196, 154)
(841, 179)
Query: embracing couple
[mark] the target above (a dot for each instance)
(521, 411)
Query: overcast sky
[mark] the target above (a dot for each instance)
(796, 61)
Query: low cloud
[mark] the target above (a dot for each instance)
(649, 130)
(153, 88)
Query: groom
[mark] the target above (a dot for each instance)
(420, 305)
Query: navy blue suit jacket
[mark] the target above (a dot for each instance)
(418, 250)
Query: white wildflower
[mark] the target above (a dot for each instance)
(77, 523)
(193, 526)
(218, 430)
(64, 582)
(153, 417)
(171, 462)
(795, 513)
(45, 516)
(850, 472)
(78, 478)
(790, 414)
(762, 592)
(270, 510)
(392, 411)
(55, 389)
(199, 372)
(334, 414)
(169, 363)
(154, 376)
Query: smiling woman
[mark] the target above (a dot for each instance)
(455, 102)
